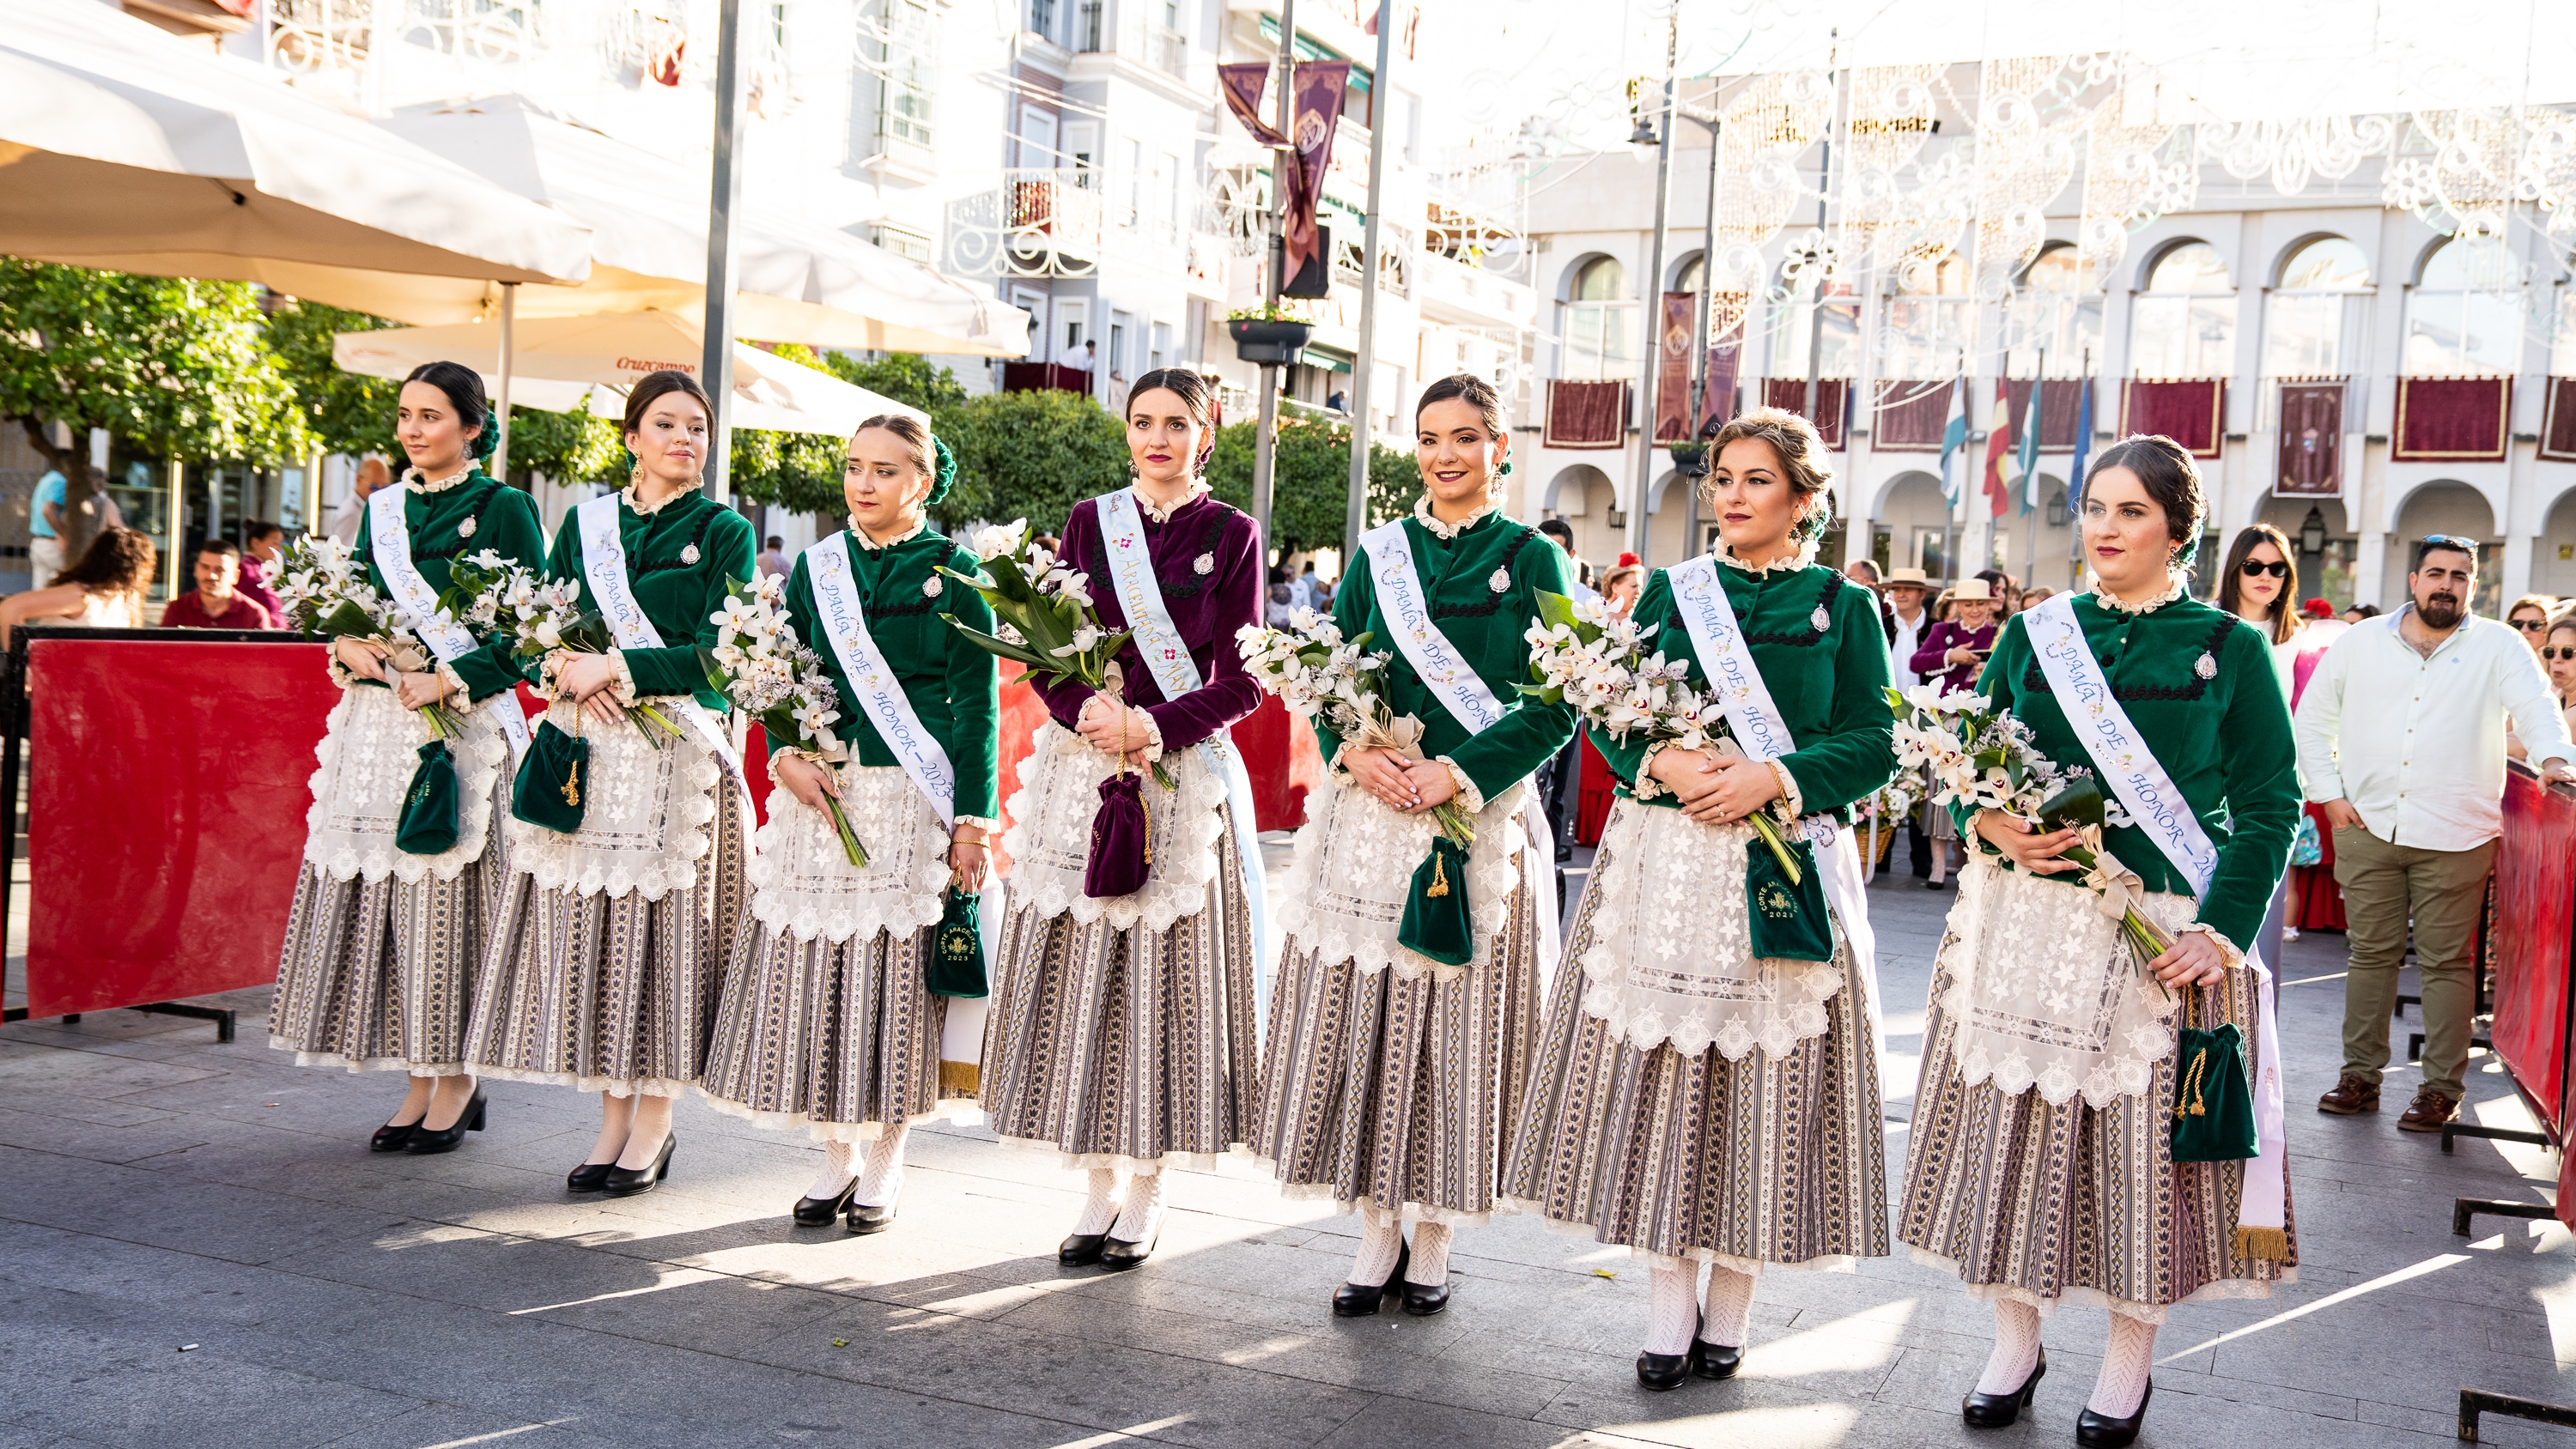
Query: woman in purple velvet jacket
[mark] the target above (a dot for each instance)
(1122, 1030)
(1956, 649)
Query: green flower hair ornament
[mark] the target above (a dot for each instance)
(488, 439)
(945, 475)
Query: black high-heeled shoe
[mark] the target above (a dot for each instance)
(1718, 1360)
(1663, 1372)
(2101, 1431)
(866, 1218)
(589, 1177)
(1118, 1254)
(818, 1212)
(392, 1137)
(1421, 1300)
(1080, 1250)
(1997, 1411)
(1360, 1300)
(628, 1181)
(426, 1140)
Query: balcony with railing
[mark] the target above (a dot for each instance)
(1065, 221)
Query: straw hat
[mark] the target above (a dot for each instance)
(1915, 577)
(1972, 591)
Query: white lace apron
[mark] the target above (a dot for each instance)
(645, 812)
(803, 885)
(367, 757)
(1670, 958)
(1050, 835)
(2044, 994)
(1354, 868)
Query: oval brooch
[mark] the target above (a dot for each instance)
(2204, 666)
(1821, 619)
(689, 555)
(930, 587)
(465, 529)
(1501, 582)
(1205, 563)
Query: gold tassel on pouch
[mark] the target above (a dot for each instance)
(1439, 877)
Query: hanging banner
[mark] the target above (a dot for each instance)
(1672, 378)
(1317, 114)
(2311, 462)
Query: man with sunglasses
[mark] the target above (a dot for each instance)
(2401, 738)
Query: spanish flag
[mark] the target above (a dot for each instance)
(1999, 447)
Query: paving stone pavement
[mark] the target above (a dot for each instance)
(196, 1249)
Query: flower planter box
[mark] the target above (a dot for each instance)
(1270, 343)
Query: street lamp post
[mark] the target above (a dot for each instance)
(1355, 516)
(724, 199)
(1265, 441)
(1650, 299)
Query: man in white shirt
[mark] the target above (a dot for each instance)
(2401, 739)
(373, 473)
(1905, 590)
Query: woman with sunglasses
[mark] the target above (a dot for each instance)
(2260, 585)
(2558, 656)
(2529, 617)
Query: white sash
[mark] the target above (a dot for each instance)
(2156, 804)
(603, 562)
(1469, 700)
(1699, 595)
(1167, 654)
(390, 532)
(880, 694)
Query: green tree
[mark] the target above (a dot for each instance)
(176, 366)
(906, 377)
(348, 412)
(572, 447)
(1029, 454)
(1311, 480)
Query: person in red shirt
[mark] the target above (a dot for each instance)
(215, 603)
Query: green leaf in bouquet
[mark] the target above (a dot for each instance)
(1896, 704)
(716, 678)
(588, 635)
(346, 621)
(1544, 694)
(2078, 804)
(1002, 647)
(1555, 609)
(1986, 760)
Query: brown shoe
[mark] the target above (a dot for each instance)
(2355, 1093)
(2429, 1112)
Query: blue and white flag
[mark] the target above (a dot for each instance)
(2029, 459)
(1954, 438)
(2083, 447)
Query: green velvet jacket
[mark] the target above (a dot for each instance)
(679, 561)
(1826, 682)
(504, 520)
(2223, 735)
(953, 686)
(1484, 624)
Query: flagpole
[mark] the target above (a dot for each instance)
(1355, 512)
(1650, 306)
(2030, 485)
(1265, 437)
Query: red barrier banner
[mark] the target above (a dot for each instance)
(2535, 921)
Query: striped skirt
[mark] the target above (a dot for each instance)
(1399, 1092)
(2073, 1204)
(1693, 1157)
(1126, 1048)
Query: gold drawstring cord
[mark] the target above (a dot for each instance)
(2193, 1085)
(1439, 873)
(572, 779)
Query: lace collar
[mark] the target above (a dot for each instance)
(2174, 589)
(860, 537)
(1160, 514)
(411, 477)
(1422, 514)
(641, 510)
(1805, 556)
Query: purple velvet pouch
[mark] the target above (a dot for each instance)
(1121, 849)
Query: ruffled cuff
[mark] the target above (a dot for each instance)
(550, 673)
(623, 691)
(990, 828)
(811, 757)
(1336, 764)
(459, 695)
(1790, 800)
(1153, 735)
(1469, 798)
(1646, 786)
(341, 674)
(2235, 958)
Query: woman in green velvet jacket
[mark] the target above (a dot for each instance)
(1697, 1101)
(613, 937)
(828, 1022)
(2041, 1168)
(1373, 1043)
(382, 944)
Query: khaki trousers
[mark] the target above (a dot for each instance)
(2443, 892)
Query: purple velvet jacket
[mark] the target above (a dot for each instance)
(1947, 635)
(1206, 606)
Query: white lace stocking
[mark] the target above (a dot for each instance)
(1430, 1266)
(1100, 1209)
(1672, 1309)
(2125, 1366)
(839, 1166)
(1381, 1243)
(882, 1183)
(1142, 1212)
(2016, 1348)
(1730, 1307)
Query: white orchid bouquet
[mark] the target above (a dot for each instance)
(323, 588)
(764, 670)
(538, 616)
(1985, 758)
(1587, 654)
(1316, 672)
(1043, 615)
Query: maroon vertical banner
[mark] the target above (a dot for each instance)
(1242, 86)
(1718, 402)
(1672, 375)
(1317, 114)
(2311, 459)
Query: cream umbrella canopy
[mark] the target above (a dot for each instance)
(121, 148)
(558, 362)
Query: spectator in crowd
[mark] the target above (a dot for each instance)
(1957, 648)
(772, 560)
(1577, 573)
(45, 527)
(2401, 738)
(1908, 622)
(1863, 572)
(2529, 617)
(2033, 597)
(1310, 590)
(2359, 612)
(372, 474)
(216, 602)
(2007, 592)
(2558, 656)
(263, 545)
(1050, 543)
(2261, 577)
(2319, 609)
(105, 590)
(1281, 606)
(1624, 581)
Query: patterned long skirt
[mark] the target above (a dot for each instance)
(606, 990)
(1694, 1157)
(838, 1039)
(1126, 1048)
(2072, 1204)
(1399, 1091)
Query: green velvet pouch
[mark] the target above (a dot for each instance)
(428, 824)
(2213, 1096)
(956, 965)
(548, 789)
(1789, 918)
(1436, 921)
